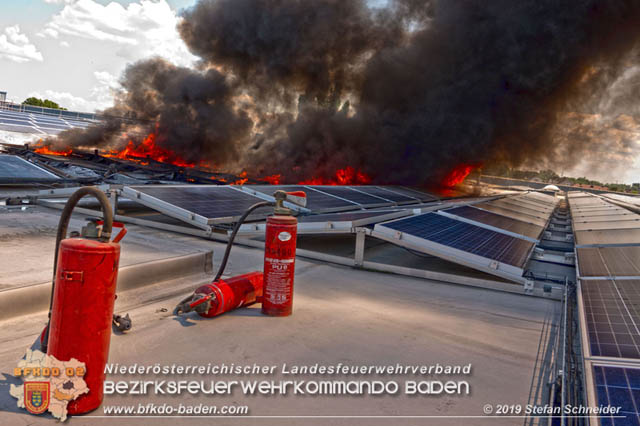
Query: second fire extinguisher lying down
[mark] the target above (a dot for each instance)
(274, 286)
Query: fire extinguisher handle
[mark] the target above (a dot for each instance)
(121, 234)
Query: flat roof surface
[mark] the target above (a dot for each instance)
(341, 315)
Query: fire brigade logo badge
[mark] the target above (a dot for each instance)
(36, 397)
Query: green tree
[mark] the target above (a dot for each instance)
(42, 103)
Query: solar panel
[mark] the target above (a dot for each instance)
(624, 198)
(522, 207)
(386, 194)
(608, 237)
(466, 237)
(549, 199)
(15, 168)
(606, 218)
(609, 261)
(609, 208)
(533, 203)
(618, 386)
(514, 214)
(618, 224)
(316, 201)
(410, 192)
(203, 203)
(614, 211)
(610, 309)
(354, 196)
(498, 221)
(589, 203)
(577, 194)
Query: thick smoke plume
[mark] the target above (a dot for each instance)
(404, 91)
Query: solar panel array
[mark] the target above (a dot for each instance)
(351, 195)
(386, 194)
(209, 204)
(16, 169)
(607, 241)
(24, 122)
(607, 237)
(465, 237)
(495, 220)
(624, 198)
(496, 236)
(334, 198)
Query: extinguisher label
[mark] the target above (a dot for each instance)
(272, 260)
(284, 236)
(279, 265)
(277, 285)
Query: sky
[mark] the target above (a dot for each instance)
(73, 51)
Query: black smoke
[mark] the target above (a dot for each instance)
(403, 90)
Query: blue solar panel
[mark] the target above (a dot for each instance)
(386, 194)
(209, 201)
(612, 314)
(618, 387)
(466, 237)
(354, 196)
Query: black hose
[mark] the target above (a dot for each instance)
(240, 221)
(182, 306)
(63, 225)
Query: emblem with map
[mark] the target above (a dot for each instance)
(51, 393)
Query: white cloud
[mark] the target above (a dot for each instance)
(65, 44)
(48, 33)
(144, 28)
(16, 47)
(101, 96)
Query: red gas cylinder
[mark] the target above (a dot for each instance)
(82, 312)
(230, 293)
(279, 265)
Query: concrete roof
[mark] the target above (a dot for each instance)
(341, 315)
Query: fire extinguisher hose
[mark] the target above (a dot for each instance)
(236, 228)
(183, 305)
(63, 225)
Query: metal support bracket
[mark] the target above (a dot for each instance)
(360, 243)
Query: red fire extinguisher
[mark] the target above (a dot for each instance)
(280, 256)
(223, 295)
(83, 296)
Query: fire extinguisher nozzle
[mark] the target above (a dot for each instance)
(122, 323)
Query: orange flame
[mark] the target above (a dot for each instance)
(346, 176)
(46, 150)
(458, 175)
(148, 149)
(273, 179)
